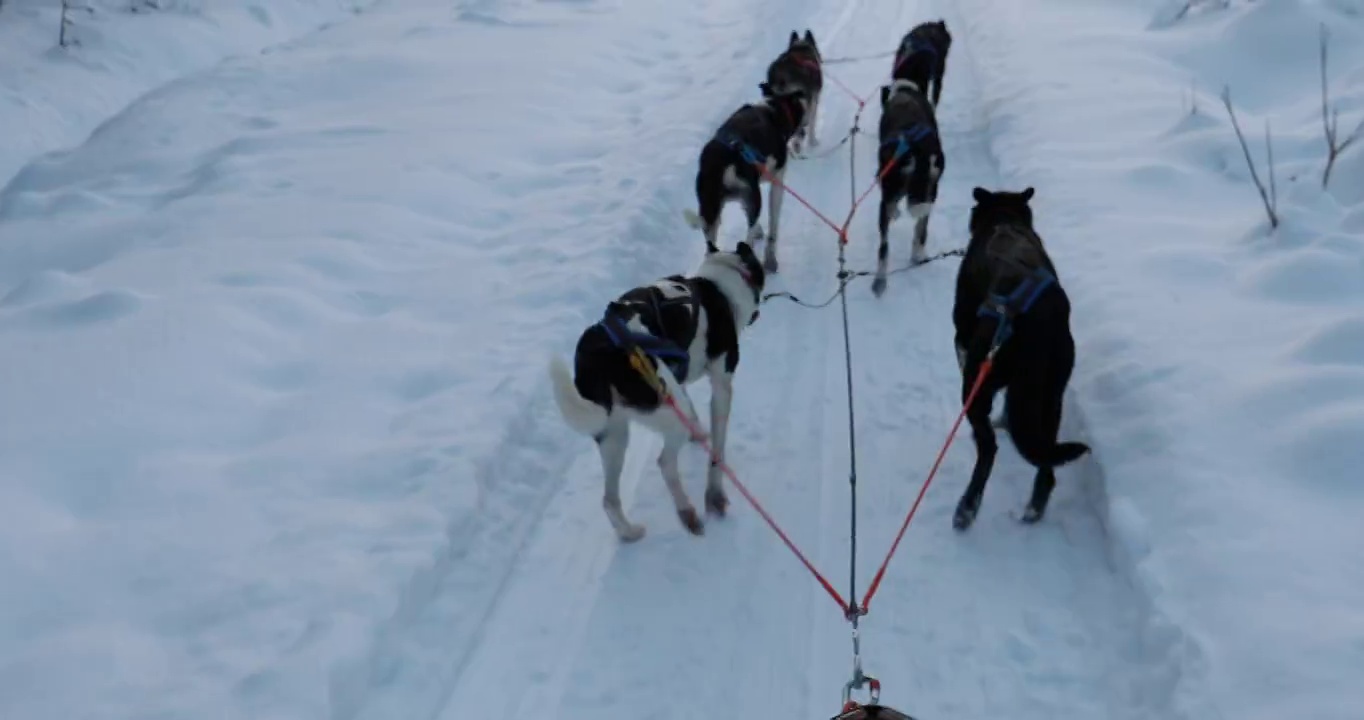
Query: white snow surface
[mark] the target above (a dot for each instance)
(277, 441)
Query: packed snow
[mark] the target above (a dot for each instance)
(278, 281)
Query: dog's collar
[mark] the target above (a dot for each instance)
(777, 100)
(901, 83)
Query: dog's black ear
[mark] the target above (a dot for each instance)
(765, 89)
(744, 250)
(981, 194)
(794, 38)
(1027, 194)
(809, 36)
(885, 94)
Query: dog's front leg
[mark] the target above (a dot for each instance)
(918, 252)
(611, 445)
(778, 192)
(672, 477)
(721, 397)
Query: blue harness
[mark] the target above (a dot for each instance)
(905, 140)
(734, 142)
(1016, 303)
(664, 350)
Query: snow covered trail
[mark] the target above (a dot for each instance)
(277, 440)
(271, 346)
(1005, 621)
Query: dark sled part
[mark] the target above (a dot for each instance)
(871, 712)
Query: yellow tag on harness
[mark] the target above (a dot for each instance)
(640, 362)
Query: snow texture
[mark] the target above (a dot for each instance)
(278, 281)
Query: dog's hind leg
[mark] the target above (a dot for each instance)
(612, 444)
(978, 414)
(917, 252)
(888, 201)
(752, 200)
(922, 211)
(672, 477)
(710, 202)
(778, 192)
(721, 397)
(1034, 422)
(1042, 485)
(811, 119)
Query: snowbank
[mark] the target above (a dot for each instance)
(52, 97)
(1221, 365)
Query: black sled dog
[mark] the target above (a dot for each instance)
(749, 148)
(1009, 299)
(799, 69)
(911, 162)
(922, 57)
(687, 327)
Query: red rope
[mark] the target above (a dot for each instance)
(724, 467)
(842, 232)
(970, 398)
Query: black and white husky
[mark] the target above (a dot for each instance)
(799, 69)
(912, 150)
(922, 57)
(689, 328)
(749, 148)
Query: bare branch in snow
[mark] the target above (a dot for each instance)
(1271, 204)
(1330, 121)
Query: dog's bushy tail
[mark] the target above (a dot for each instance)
(1039, 455)
(581, 414)
(1033, 432)
(1067, 452)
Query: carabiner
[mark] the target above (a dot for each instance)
(858, 681)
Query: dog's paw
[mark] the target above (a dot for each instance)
(1031, 515)
(716, 501)
(691, 521)
(770, 258)
(966, 512)
(878, 285)
(756, 234)
(631, 533)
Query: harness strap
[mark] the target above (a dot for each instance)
(749, 153)
(906, 140)
(660, 348)
(1016, 303)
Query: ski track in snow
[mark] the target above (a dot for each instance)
(1005, 621)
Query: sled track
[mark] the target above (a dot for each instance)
(538, 608)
